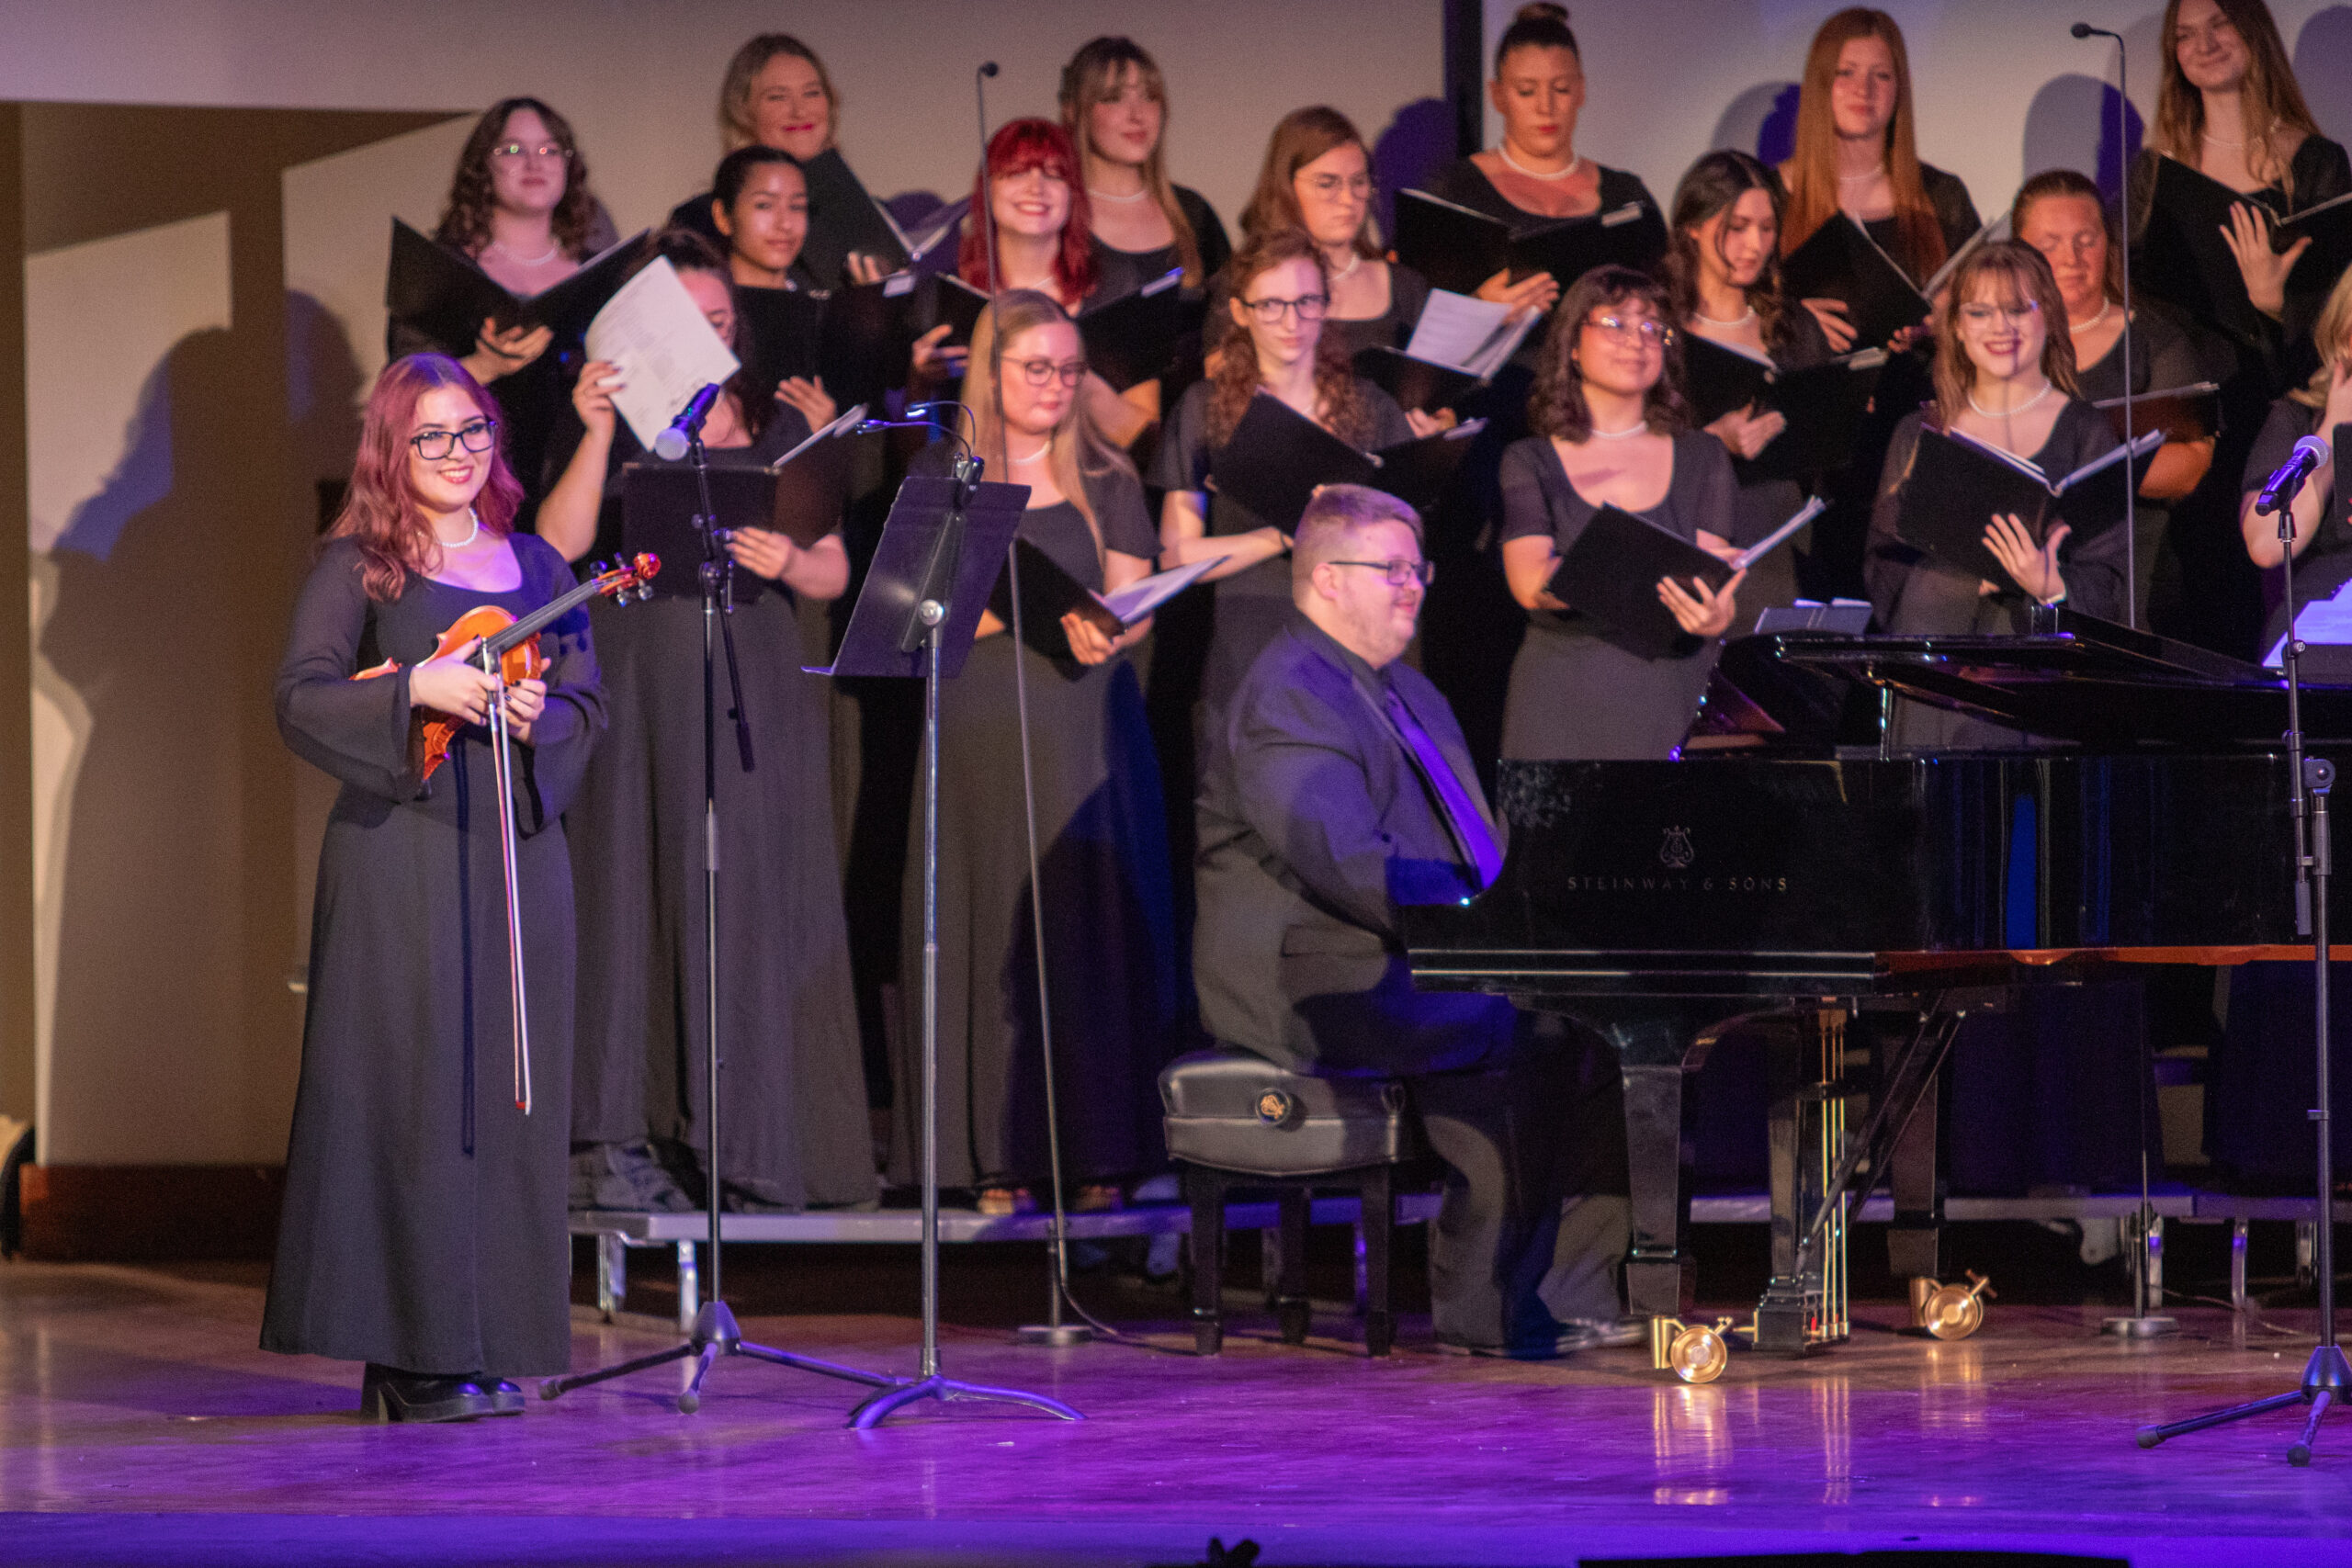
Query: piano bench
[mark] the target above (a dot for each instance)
(1235, 1119)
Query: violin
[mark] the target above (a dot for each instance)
(510, 651)
(510, 647)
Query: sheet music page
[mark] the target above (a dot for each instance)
(666, 352)
(2325, 621)
(1457, 330)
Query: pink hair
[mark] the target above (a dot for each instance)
(381, 511)
(1018, 147)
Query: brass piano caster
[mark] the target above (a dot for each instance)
(1691, 1351)
(1949, 1312)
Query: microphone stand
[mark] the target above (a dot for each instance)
(715, 1333)
(2326, 1377)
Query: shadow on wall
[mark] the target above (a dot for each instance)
(1762, 120)
(1406, 155)
(2071, 125)
(323, 397)
(2323, 66)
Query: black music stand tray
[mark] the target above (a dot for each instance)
(941, 547)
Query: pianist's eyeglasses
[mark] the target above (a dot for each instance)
(1400, 572)
(475, 436)
(1310, 308)
(1037, 372)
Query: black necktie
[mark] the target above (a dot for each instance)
(1462, 812)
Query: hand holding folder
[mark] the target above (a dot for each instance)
(1049, 595)
(1957, 486)
(1277, 459)
(442, 294)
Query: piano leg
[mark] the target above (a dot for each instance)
(1803, 1303)
(1659, 1279)
(1915, 1241)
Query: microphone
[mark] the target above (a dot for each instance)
(2310, 453)
(988, 68)
(673, 442)
(2083, 29)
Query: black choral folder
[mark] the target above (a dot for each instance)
(843, 218)
(1415, 383)
(1278, 457)
(782, 330)
(2184, 414)
(441, 293)
(1610, 572)
(1458, 248)
(1825, 404)
(1957, 485)
(1134, 338)
(800, 495)
(1842, 262)
(1048, 592)
(2183, 259)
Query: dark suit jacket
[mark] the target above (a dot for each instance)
(1314, 826)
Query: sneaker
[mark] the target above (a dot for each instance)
(627, 1178)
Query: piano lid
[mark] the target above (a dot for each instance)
(2075, 676)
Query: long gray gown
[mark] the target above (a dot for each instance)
(792, 1091)
(423, 1225)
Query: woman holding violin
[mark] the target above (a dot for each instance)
(423, 1229)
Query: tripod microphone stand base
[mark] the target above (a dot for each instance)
(1059, 1335)
(2326, 1380)
(888, 1402)
(2154, 1327)
(715, 1334)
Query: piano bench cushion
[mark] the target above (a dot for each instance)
(1231, 1110)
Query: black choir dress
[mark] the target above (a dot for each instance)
(1574, 693)
(2162, 356)
(424, 1224)
(1912, 591)
(1252, 604)
(1208, 233)
(793, 1106)
(1760, 505)
(1110, 922)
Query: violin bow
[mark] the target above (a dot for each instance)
(504, 772)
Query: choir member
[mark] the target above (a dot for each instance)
(1317, 177)
(2005, 377)
(760, 203)
(777, 93)
(2228, 105)
(1101, 852)
(2321, 407)
(1034, 194)
(1723, 276)
(2060, 214)
(1535, 174)
(795, 1121)
(1114, 106)
(1281, 286)
(424, 1228)
(1856, 152)
(1609, 430)
(520, 208)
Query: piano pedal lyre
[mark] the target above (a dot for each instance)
(1949, 1312)
(1691, 1351)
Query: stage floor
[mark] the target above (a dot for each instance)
(139, 1423)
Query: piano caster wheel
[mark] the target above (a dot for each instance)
(1949, 1312)
(1691, 1351)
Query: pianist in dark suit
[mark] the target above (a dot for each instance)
(1336, 786)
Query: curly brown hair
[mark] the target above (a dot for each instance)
(1345, 412)
(465, 223)
(1558, 408)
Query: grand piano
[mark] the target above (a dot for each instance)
(1793, 880)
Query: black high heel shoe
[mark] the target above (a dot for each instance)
(505, 1396)
(387, 1393)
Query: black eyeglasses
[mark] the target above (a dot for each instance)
(1310, 308)
(1039, 372)
(475, 436)
(1400, 572)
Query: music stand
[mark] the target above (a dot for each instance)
(715, 1333)
(941, 547)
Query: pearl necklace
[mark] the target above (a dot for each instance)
(1502, 151)
(1738, 322)
(471, 534)
(2047, 387)
(552, 251)
(1032, 456)
(2105, 306)
(1621, 434)
(2233, 146)
(1866, 174)
(1111, 195)
(1355, 260)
